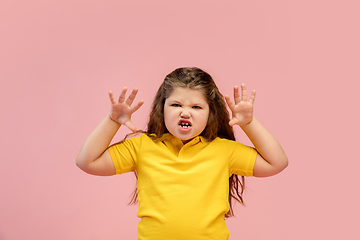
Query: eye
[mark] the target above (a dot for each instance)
(175, 105)
(197, 107)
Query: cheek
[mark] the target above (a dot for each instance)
(205, 118)
(168, 117)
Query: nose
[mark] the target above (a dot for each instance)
(185, 114)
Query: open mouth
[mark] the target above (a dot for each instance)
(184, 124)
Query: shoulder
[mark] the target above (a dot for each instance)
(225, 142)
(129, 141)
(228, 146)
(138, 141)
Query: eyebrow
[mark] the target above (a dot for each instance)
(174, 100)
(191, 104)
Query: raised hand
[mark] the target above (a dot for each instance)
(242, 109)
(122, 110)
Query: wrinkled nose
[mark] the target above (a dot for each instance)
(185, 114)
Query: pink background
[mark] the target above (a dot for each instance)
(58, 59)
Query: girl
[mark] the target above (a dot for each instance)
(188, 161)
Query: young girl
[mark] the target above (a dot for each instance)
(188, 161)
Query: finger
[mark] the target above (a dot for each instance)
(131, 126)
(122, 95)
(132, 96)
(252, 97)
(237, 98)
(229, 102)
(233, 121)
(243, 92)
(112, 98)
(137, 106)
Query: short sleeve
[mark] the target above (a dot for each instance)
(124, 155)
(242, 159)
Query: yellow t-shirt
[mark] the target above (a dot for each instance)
(182, 189)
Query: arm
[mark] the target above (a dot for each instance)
(271, 158)
(94, 158)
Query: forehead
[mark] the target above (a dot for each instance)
(183, 94)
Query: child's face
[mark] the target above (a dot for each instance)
(186, 113)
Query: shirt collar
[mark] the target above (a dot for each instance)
(195, 140)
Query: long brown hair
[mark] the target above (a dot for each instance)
(218, 121)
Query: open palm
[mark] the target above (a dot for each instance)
(122, 110)
(241, 108)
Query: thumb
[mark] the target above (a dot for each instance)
(131, 126)
(233, 121)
